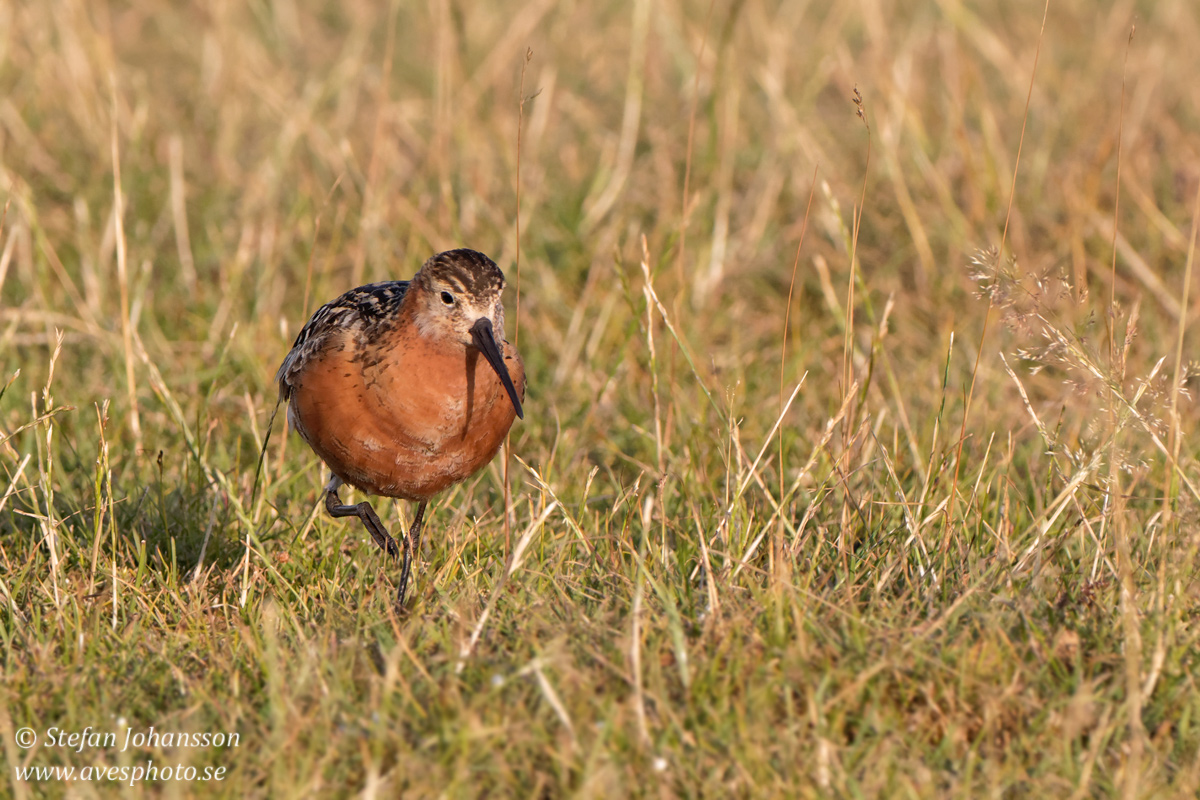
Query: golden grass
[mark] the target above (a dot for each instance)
(712, 590)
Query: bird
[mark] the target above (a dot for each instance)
(405, 388)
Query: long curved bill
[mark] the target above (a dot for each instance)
(485, 339)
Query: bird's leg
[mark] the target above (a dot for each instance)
(370, 520)
(412, 547)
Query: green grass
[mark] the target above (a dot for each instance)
(939, 580)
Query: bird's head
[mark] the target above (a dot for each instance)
(459, 292)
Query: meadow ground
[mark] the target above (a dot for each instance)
(961, 562)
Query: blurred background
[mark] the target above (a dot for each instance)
(274, 154)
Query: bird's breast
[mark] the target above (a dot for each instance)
(405, 416)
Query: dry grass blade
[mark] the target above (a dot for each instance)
(1037, 422)
(127, 336)
(631, 117)
(552, 698)
(514, 563)
(683, 348)
(1012, 193)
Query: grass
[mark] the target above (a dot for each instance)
(961, 562)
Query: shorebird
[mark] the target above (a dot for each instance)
(387, 385)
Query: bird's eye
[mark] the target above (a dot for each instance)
(447, 298)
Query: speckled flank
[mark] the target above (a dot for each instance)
(365, 314)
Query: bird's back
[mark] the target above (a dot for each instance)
(365, 313)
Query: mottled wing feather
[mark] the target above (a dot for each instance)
(364, 311)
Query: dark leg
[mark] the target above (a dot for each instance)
(412, 548)
(370, 520)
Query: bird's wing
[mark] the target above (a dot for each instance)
(362, 311)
